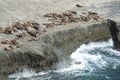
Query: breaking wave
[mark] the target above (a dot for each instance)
(93, 61)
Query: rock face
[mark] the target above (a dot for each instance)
(53, 46)
(114, 33)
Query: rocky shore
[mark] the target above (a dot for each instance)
(52, 46)
(47, 38)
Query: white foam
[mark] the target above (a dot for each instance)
(82, 59)
(26, 73)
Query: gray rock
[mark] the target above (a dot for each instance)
(53, 46)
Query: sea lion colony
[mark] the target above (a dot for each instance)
(32, 29)
(68, 17)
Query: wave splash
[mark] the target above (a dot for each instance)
(89, 61)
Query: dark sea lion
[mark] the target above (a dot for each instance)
(36, 26)
(32, 33)
(78, 5)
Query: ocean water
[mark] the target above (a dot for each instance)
(92, 61)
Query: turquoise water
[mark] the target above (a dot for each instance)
(93, 61)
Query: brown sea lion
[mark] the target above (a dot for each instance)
(14, 42)
(21, 35)
(5, 41)
(8, 48)
(7, 30)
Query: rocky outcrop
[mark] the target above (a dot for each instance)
(114, 33)
(53, 46)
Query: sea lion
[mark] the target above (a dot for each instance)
(28, 23)
(18, 26)
(49, 25)
(73, 12)
(8, 48)
(14, 29)
(65, 14)
(89, 12)
(78, 5)
(33, 39)
(84, 18)
(63, 21)
(36, 26)
(14, 42)
(5, 42)
(21, 35)
(32, 33)
(93, 15)
(7, 30)
(50, 15)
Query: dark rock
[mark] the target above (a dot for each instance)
(114, 33)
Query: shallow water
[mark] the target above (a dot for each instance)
(93, 61)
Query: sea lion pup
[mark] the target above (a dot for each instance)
(114, 33)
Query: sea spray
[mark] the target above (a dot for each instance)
(93, 61)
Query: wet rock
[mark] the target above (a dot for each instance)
(114, 34)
